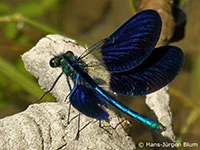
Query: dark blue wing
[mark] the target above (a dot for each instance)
(133, 42)
(88, 102)
(156, 71)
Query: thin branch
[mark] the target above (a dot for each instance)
(17, 17)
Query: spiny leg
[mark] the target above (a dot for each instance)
(50, 88)
(113, 127)
(69, 109)
(78, 131)
(120, 123)
(71, 91)
(103, 127)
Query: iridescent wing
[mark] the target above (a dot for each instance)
(129, 54)
(132, 43)
(159, 69)
(88, 102)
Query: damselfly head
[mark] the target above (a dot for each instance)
(55, 62)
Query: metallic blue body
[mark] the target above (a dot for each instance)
(79, 72)
(136, 67)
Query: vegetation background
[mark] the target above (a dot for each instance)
(24, 22)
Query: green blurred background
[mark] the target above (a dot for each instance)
(24, 22)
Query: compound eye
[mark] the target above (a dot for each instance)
(69, 54)
(53, 63)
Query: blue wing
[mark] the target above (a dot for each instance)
(88, 102)
(132, 43)
(155, 72)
